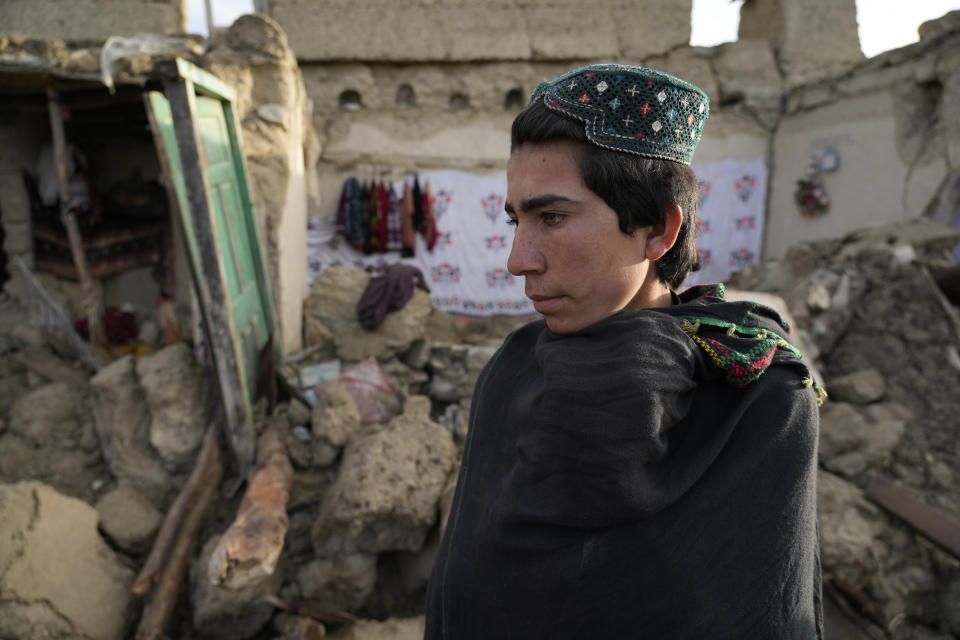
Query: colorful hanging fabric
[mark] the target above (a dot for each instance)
(359, 218)
(346, 204)
(429, 227)
(408, 234)
(384, 200)
(417, 204)
(372, 243)
(394, 224)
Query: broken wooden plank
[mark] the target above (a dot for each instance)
(49, 366)
(248, 551)
(93, 306)
(163, 598)
(166, 539)
(931, 522)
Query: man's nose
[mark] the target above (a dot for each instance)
(525, 255)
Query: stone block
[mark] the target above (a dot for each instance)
(175, 392)
(335, 416)
(122, 421)
(59, 578)
(344, 582)
(91, 19)
(333, 302)
(844, 429)
(128, 518)
(860, 387)
(850, 526)
(388, 488)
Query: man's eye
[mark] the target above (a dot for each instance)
(552, 219)
(511, 221)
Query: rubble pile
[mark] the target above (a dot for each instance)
(111, 449)
(372, 453)
(885, 340)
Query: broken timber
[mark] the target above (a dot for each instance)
(187, 500)
(933, 523)
(249, 550)
(178, 541)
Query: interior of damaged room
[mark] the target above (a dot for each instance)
(254, 261)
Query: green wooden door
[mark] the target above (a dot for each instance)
(199, 147)
(236, 236)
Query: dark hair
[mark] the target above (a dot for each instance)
(638, 188)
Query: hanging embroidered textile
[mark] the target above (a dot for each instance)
(730, 217)
(467, 267)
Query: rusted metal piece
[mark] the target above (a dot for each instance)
(188, 497)
(929, 521)
(92, 303)
(162, 599)
(248, 551)
(858, 599)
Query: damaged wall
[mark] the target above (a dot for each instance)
(396, 100)
(813, 39)
(461, 30)
(893, 121)
(92, 19)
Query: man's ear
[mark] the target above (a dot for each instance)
(662, 237)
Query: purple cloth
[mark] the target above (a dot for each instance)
(389, 290)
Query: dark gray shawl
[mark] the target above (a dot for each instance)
(616, 484)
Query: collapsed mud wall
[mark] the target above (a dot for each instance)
(892, 123)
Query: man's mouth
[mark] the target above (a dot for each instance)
(545, 304)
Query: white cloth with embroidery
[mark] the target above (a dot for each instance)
(467, 269)
(733, 195)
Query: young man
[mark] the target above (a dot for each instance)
(640, 464)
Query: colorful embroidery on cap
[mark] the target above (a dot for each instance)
(633, 94)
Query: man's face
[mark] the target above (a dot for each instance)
(578, 266)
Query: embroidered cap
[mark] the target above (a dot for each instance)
(631, 109)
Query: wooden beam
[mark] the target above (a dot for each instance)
(93, 306)
(249, 549)
(163, 598)
(931, 522)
